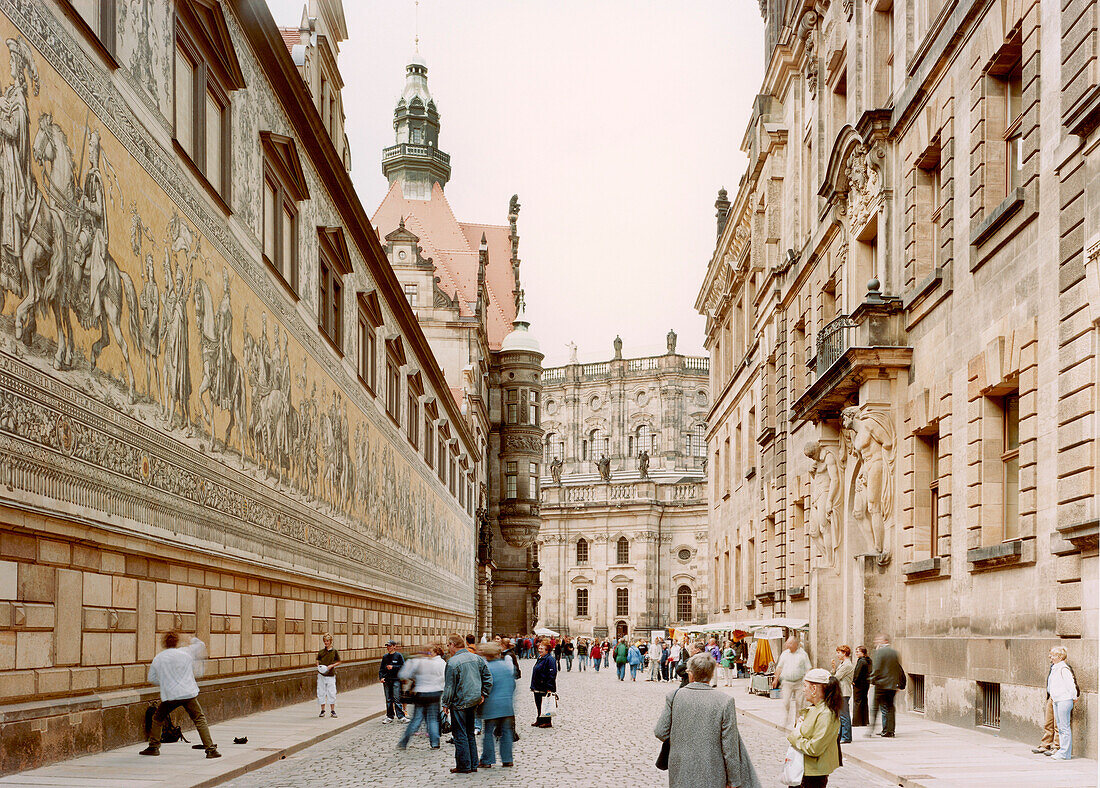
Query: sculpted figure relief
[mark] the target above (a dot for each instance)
(603, 465)
(555, 469)
(643, 464)
(870, 435)
(824, 524)
(864, 184)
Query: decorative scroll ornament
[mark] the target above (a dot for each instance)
(864, 185)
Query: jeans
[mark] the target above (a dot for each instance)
(845, 722)
(654, 669)
(194, 711)
(501, 726)
(568, 663)
(393, 699)
(583, 662)
(1063, 712)
(634, 672)
(596, 663)
(884, 699)
(462, 731)
(605, 656)
(426, 710)
(794, 697)
(620, 668)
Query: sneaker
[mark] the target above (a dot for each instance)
(332, 714)
(1059, 757)
(1039, 750)
(403, 719)
(386, 721)
(322, 714)
(213, 754)
(150, 750)
(1049, 752)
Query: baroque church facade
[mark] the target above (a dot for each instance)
(462, 280)
(209, 373)
(623, 545)
(902, 317)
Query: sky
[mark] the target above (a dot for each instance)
(615, 121)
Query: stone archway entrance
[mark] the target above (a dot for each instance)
(621, 629)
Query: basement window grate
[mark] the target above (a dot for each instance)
(989, 705)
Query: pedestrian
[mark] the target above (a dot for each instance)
(740, 658)
(700, 725)
(327, 660)
(727, 664)
(843, 669)
(498, 711)
(888, 677)
(861, 683)
(388, 674)
(559, 647)
(815, 733)
(508, 652)
(568, 650)
(1063, 691)
(597, 655)
(606, 648)
(544, 681)
(790, 670)
(582, 655)
(634, 659)
(666, 659)
(174, 670)
(716, 654)
(428, 677)
(621, 651)
(686, 653)
(466, 684)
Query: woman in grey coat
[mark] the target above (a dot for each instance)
(700, 723)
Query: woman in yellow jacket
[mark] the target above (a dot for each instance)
(817, 733)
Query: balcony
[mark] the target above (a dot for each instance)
(851, 349)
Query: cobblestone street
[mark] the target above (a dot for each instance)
(603, 726)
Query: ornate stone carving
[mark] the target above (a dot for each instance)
(869, 434)
(864, 185)
(525, 443)
(825, 491)
(811, 68)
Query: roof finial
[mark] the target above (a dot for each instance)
(416, 33)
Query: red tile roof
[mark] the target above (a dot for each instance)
(292, 36)
(453, 247)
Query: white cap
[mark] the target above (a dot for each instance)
(818, 676)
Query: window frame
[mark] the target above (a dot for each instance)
(680, 607)
(1010, 456)
(395, 360)
(414, 390)
(582, 552)
(622, 602)
(581, 600)
(283, 170)
(622, 551)
(369, 320)
(107, 22)
(333, 264)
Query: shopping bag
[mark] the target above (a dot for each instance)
(550, 705)
(793, 767)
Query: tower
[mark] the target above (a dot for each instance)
(416, 159)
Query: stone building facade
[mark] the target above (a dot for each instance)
(206, 368)
(902, 321)
(462, 280)
(623, 544)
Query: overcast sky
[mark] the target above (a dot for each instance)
(616, 122)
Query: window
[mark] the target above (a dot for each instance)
(534, 479)
(622, 551)
(1003, 116)
(644, 440)
(582, 552)
(536, 416)
(916, 681)
(99, 16)
(284, 188)
(683, 603)
(697, 441)
(553, 448)
(369, 319)
(510, 481)
(410, 293)
(511, 410)
(452, 474)
(597, 444)
(441, 458)
(413, 390)
(1010, 461)
(622, 601)
(928, 480)
(429, 441)
(582, 602)
(395, 359)
(1012, 92)
(684, 554)
(333, 264)
(202, 84)
(989, 705)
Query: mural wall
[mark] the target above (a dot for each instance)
(145, 358)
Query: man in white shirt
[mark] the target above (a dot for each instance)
(173, 670)
(792, 666)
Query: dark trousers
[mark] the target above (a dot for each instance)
(884, 699)
(664, 671)
(538, 708)
(859, 707)
(194, 711)
(462, 731)
(393, 699)
(819, 781)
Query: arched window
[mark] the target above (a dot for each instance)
(582, 551)
(597, 444)
(622, 551)
(582, 602)
(622, 601)
(697, 441)
(553, 448)
(644, 440)
(683, 603)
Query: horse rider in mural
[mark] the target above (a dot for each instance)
(19, 186)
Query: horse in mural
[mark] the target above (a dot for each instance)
(232, 398)
(66, 286)
(338, 480)
(274, 428)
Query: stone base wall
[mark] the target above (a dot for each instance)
(36, 734)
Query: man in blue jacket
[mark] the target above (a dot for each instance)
(466, 684)
(392, 662)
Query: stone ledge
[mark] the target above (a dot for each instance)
(929, 569)
(985, 227)
(1082, 536)
(1018, 552)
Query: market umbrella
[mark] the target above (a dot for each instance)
(763, 656)
(544, 632)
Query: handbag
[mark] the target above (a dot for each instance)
(794, 767)
(666, 746)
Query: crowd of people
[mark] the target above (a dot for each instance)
(468, 688)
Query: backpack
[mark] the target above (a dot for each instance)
(169, 732)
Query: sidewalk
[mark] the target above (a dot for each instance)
(927, 754)
(272, 735)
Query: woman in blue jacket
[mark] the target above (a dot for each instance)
(544, 681)
(634, 659)
(498, 711)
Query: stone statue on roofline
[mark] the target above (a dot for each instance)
(670, 341)
(572, 352)
(555, 469)
(643, 464)
(618, 346)
(603, 465)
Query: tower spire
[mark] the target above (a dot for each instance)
(416, 28)
(416, 159)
